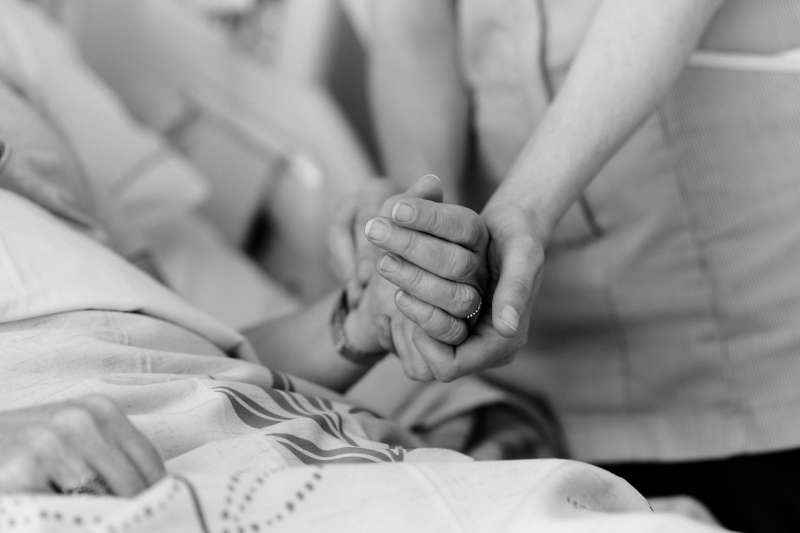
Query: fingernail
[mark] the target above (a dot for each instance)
(403, 212)
(377, 229)
(434, 176)
(510, 317)
(388, 264)
(401, 299)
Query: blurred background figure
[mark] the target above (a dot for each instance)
(225, 151)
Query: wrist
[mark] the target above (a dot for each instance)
(538, 221)
(351, 339)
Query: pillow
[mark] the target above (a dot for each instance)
(36, 163)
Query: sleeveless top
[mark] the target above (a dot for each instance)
(668, 323)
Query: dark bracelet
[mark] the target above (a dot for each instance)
(340, 341)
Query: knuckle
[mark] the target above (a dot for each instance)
(456, 332)
(416, 279)
(448, 373)
(408, 244)
(101, 405)
(43, 439)
(464, 265)
(427, 318)
(434, 221)
(465, 298)
(75, 417)
(474, 231)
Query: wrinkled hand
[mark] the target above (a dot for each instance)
(437, 261)
(513, 259)
(51, 448)
(377, 323)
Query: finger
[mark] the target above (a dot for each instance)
(428, 186)
(484, 349)
(445, 259)
(138, 448)
(413, 363)
(67, 469)
(342, 249)
(438, 356)
(60, 461)
(117, 428)
(366, 264)
(354, 292)
(435, 322)
(81, 429)
(22, 472)
(520, 263)
(385, 333)
(342, 240)
(449, 222)
(457, 299)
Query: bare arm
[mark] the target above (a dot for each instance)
(417, 94)
(302, 345)
(630, 57)
(632, 54)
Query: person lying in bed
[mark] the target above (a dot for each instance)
(61, 446)
(50, 156)
(109, 380)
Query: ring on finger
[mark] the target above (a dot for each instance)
(473, 315)
(89, 484)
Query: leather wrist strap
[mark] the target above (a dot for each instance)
(340, 341)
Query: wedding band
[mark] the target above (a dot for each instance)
(91, 484)
(475, 311)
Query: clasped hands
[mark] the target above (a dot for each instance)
(419, 269)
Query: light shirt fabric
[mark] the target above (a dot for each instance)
(668, 322)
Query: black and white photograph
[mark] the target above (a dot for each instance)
(425, 266)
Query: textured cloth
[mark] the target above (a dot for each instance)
(72, 148)
(668, 322)
(246, 448)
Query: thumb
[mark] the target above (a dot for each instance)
(428, 187)
(520, 260)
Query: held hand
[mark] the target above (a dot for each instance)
(436, 257)
(515, 257)
(368, 326)
(82, 445)
(378, 322)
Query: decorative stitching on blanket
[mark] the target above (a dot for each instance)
(232, 511)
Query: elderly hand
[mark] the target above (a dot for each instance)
(377, 323)
(422, 246)
(78, 445)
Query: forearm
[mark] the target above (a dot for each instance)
(302, 345)
(418, 98)
(631, 56)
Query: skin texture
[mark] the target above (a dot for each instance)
(631, 55)
(64, 444)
